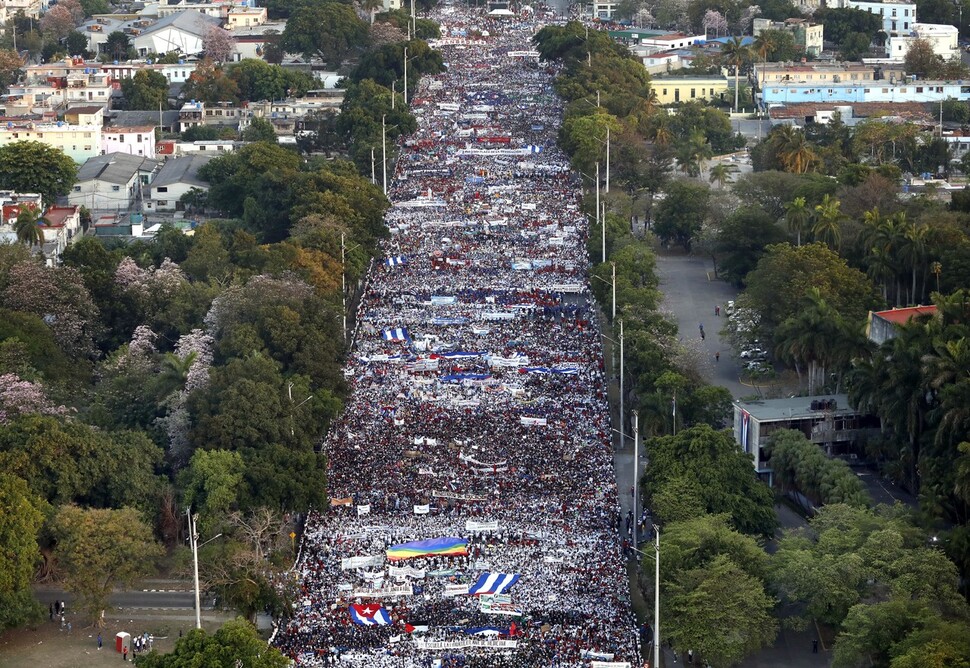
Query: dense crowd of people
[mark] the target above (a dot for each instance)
(478, 408)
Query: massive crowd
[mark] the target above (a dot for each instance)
(478, 407)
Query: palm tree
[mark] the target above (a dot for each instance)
(661, 132)
(793, 149)
(797, 215)
(913, 250)
(28, 225)
(764, 43)
(736, 54)
(828, 222)
(721, 174)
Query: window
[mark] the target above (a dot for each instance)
(163, 202)
(139, 139)
(894, 12)
(87, 148)
(919, 89)
(693, 93)
(162, 189)
(905, 12)
(866, 90)
(77, 189)
(116, 188)
(665, 93)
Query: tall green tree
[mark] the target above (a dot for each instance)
(146, 91)
(35, 167)
(21, 516)
(725, 475)
(331, 31)
(236, 643)
(736, 54)
(28, 225)
(98, 550)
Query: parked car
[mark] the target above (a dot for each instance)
(753, 353)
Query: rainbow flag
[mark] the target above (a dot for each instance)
(434, 546)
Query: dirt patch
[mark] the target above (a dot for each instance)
(47, 645)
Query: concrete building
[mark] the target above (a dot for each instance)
(825, 72)
(896, 16)
(808, 34)
(671, 90)
(176, 177)
(79, 142)
(945, 40)
(826, 420)
(137, 140)
(650, 44)
(112, 182)
(883, 325)
(182, 32)
(864, 92)
(245, 17)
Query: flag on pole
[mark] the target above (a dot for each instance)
(493, 583)
(397, 334)
(395, 261)
(369, 615)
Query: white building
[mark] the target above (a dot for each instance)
(177, 177)
(79, 142)
(138, 141)
(180, 32)
(896, 16)
(945, 40)
(649, 45)
(111, 182)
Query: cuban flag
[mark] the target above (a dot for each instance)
(369, 615)
(395, 261)
(493, 583)
(397, 334)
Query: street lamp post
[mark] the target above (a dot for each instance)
(613, 283)
(406, 73)
(636, 473)
(384, 151)
(622, 425)
(656, 594)
(194, 543)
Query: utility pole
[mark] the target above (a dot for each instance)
(406, 70)
(194, 543)
(622, 421)
(343, 284)
(373, 177)
(656, 600)
(636, 474)
(384, 150)
(607, 158)
(673, 412)
(613, 283)
(598, 219)
(393, 85)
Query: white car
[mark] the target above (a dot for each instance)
(753, 353)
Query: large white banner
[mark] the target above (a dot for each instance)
(361, 562)
(363, 510)
(456, 590)
(385, 592)
(472, 525)
(422, 510)
(461, 497)
(420, 643)
(405, 572)
(610, 664)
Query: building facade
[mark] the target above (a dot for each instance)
(944, 39)
(671, 90)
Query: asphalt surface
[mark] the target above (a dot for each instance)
(148, 595)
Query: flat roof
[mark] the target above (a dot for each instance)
(795, 408)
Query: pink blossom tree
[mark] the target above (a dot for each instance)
(22, 397)
(218, 44)
(715, 22)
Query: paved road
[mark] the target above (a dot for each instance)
(690, 294)
(150, 595)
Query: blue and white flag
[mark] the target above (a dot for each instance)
(396, 261)
(487, 631)
(534, 149)
(493, 583)
(459, 354)
(397, 334)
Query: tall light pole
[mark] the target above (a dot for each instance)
(194, 544)
(384, 150)
(622, 423)
(607, 158)
(636, 473)
(656, 600)
(373, 177)
(601, 220)
(613, 283)
(343, 284)
(406, 68)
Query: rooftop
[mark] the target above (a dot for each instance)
(117, 168)
(57, 215)
(795, 408)
(182, 170)
(900, 316)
